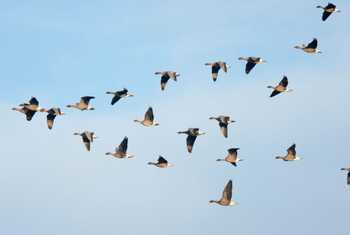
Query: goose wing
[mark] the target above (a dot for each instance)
(162, 160)
(149, 114)
(86, 99)
(215, 70)
(86, 140)
(29, 113)
(284, 82)
(123, 146)
(50, 118)
(223, 128)
(163, 80)
(34, 102)
(190, 142)
(249, 66)
(227, 193)
(115, 99)
(348, 178)
(312, 44)
(223, 66)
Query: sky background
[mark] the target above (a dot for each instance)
(61, 50)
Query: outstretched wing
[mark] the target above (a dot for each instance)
(149, 114)
(249, 66)
(291, 150)
(274, 93)
(50, 119)
(215, 70)
(223, 128)
(162, 160)
(312, 44)
(227, 193)
(190, 142)
(33, 101)
(123, 146)
(163, 81)
(284, 82)
(86, 99)
(115, 99)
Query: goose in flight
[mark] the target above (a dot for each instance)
(161, 163)
(281, 87)
(215, 68)
(165, 76)
(328, 10)
(192, 134)
(84, 103)
(291, 155)
(117, 95)
(51, 115)
(310, 48)
(232, 157)
(223, 123)
(251, 62)
(88, 137)
(148, 119)
(348, 176)
(30, 108)
(225, 200)
(121, 150)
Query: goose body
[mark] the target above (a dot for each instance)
(281, 87)
(232, 157)
(121, 150)
(51, 115)
(310, 48)
(251, 62)
(161, 163)
(84, 103)
(348, 175)
(117, 95)
(148, 119)
(87, 137)
(215, 68)
(224, 121)
(192, 134)
(29, 113)
(291, 155)
(226, 198)
(165, 76)
(328, 10)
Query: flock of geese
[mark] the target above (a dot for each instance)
(32, 107)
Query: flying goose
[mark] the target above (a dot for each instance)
(291, 155)
(161, 163)
(52, 113)
(231, 157)
(88, 137)
(165, 76)
(121, 150)
(118, 95)
(215, 67)
(30, 108)
(281, 87)
(148, 119)
(223, 123)
(348, 177)
(310, 48)
(225, 200)
(84, 103)
(192, 134)
(251, 62)
(328, 10)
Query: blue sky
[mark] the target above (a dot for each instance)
(59, 51)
